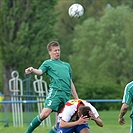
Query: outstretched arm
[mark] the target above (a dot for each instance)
(33, 70)
(123, 111)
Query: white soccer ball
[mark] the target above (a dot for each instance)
(76, 10)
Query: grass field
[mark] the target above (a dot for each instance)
(109, 119)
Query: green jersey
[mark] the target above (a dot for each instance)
(59, 73)
(128, 96)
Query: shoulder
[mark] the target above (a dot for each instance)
(128, 88)
(46, 61)
(129, 85)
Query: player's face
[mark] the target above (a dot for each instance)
(55, 53)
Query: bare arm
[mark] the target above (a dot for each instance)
(123, 111)
(33, 70)
(97, 120)
(81, 120)
(73, 90)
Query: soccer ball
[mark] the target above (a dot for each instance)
(76, 10)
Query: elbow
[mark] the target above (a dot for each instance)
(99, 122)
(101, 125)
(40, 72)
(61, 125)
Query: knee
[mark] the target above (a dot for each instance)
(45, 113)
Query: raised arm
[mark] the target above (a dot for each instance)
(33, 70)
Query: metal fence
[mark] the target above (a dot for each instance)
(49, 121)
(28, 91)
(28, 96)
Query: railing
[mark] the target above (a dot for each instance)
(24, 102)
(42, 101)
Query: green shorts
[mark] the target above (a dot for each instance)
(56, 99)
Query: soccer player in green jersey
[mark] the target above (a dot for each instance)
(127, 100)
(61, 85)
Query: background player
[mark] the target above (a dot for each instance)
(127, 100)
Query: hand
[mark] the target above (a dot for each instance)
(29, 70)
(121, 120)
(92, 117)
(82, 120)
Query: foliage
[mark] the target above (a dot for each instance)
(32, 31)
(105, 61)
(0, 54)
(66, 25)
(27, 27)
(98, 45)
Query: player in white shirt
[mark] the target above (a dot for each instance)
(73, 117)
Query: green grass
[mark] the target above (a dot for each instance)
(110, 120)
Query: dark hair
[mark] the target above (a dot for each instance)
(52, 44)
(84, 110)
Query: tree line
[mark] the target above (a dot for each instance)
(99, 45)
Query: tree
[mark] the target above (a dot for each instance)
(27, 27)
(0, 52)
(66, 25)
(102, 50)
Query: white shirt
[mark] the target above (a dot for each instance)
(69, 112)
